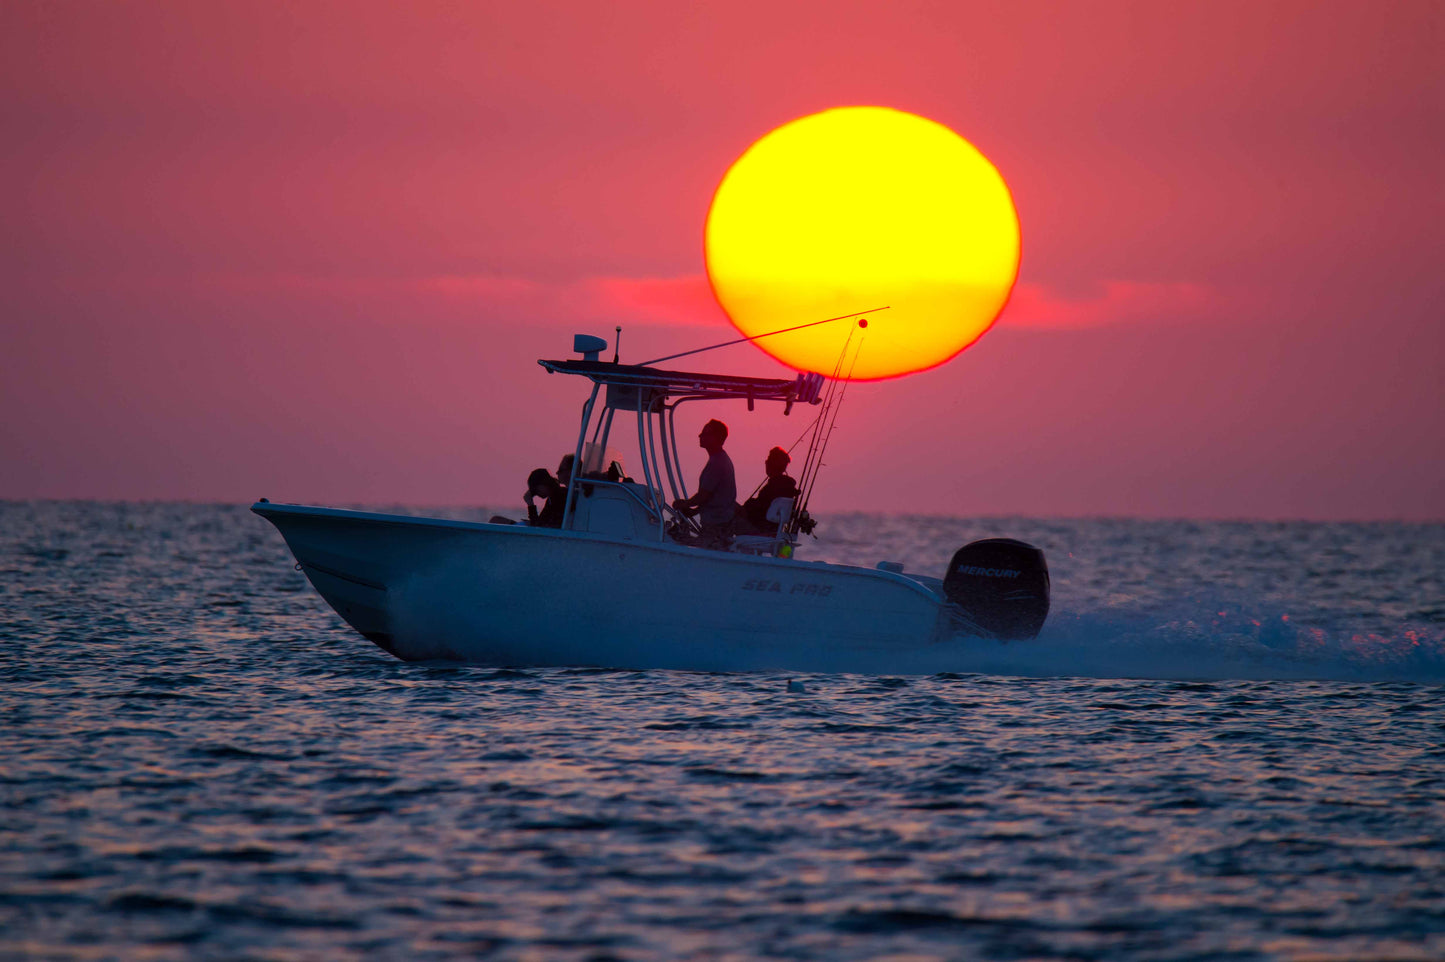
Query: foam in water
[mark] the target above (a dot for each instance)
(1195, 644)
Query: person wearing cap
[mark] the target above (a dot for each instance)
(754, 512)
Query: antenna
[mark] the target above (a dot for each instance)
(617, 344)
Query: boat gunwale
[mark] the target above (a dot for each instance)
(267, 509)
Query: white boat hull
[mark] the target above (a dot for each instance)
(426, 589)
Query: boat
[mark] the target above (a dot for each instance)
(624, 581)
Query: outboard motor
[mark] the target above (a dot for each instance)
(1002, 584)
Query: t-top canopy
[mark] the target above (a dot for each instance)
(804, 389)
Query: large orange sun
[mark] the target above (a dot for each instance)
(855, 208)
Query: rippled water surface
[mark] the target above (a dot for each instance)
(1227, 744)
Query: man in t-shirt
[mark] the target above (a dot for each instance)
(717, 489)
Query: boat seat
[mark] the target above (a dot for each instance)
(780, 510)
(778, 513)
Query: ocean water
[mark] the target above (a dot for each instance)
(1228, 743)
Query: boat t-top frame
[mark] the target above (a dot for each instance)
(654, 396)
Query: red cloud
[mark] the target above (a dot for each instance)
(668, 300)
(683, 300)
(1033, 305)
(688, 300)
(482, 287)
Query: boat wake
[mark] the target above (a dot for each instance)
(1217, 644)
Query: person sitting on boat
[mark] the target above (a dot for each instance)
(564, 469)
(754, 512)
(717, 490)
(541, 484)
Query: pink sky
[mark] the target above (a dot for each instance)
(312, 251)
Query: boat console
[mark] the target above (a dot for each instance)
(616, 509)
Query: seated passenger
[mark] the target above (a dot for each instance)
(541, 484)
(754, 512)
(564, 469)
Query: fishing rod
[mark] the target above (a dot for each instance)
(832, 400)
(842, 393)
(756, 337)
(810, 461)
(831, 415)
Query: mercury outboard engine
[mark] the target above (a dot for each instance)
(1002, 584)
